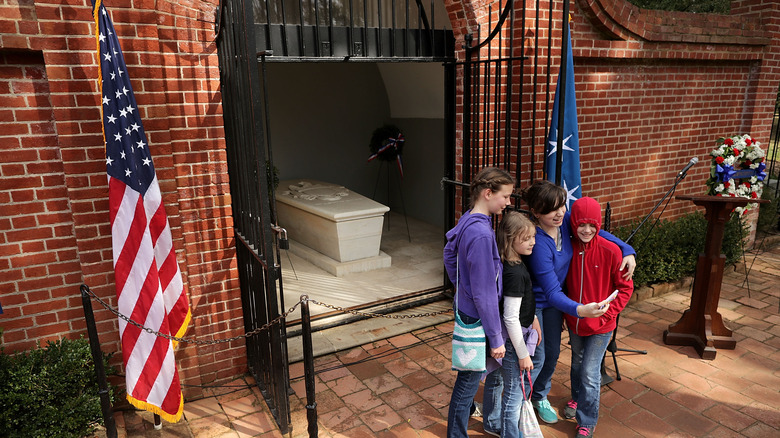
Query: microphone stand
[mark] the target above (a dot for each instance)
(612, 346)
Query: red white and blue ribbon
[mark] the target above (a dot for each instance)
(395, 144)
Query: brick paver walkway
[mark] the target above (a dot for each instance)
(400, 387)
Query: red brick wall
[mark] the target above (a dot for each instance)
(38, 252)
(653, 88)
(656, 88)
(53, 192)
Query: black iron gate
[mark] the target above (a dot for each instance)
(352, 30)
(506, 88)
(248, 160)
(251, 33)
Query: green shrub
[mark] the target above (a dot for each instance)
(51, 391)
(712, 6)
(671, 249)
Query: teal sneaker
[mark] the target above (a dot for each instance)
(546, 412)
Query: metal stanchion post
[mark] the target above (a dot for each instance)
(97, 357)
(308, 367)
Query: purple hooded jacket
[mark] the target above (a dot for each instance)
(479, 282)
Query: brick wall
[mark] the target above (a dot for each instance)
(653, 88)
(656, 88)
(38, 252)
(53, 191)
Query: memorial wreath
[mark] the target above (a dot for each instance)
(387, 144)
(738, 169)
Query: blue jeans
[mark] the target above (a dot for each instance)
(463, 392)
(491, 398)
(545, 358)
(505, 380)
(587, 352)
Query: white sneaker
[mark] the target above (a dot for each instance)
(477, 409)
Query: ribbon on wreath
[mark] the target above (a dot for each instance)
(392, 144)
(761, 171)
(727, 172)
(724, 171)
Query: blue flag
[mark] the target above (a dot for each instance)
(570, 169)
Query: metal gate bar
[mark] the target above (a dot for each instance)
(246, 158)
(500, 124)
(306, 29)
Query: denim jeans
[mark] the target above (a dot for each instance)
(491, 399)
(587, 352)
(501, 412)
(545, 358)
(463, 392)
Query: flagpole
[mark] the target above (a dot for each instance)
(562, 93)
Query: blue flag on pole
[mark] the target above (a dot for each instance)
(570, 169)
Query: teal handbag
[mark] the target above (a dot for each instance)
(469, 346)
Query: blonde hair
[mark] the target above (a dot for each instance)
(489, 178)
(513, 224)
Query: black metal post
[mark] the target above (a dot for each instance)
(308, 367)
(97, 357)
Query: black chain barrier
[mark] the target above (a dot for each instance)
(311, 405)
(304, 298)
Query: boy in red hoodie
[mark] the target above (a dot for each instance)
(593, 276)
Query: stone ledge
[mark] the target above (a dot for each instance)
(623, 20)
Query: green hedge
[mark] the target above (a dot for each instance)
(51, 391)
(670, 251)
(711, 6)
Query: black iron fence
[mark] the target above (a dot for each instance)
(352, 29)
(258, 333)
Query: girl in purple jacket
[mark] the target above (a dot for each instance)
(471, 250)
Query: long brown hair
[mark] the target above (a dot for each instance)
(513, 224)
(543, 197)
(489, 178)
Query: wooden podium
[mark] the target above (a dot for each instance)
(701, 325)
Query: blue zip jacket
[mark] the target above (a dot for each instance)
(548, 267)
(473, 241)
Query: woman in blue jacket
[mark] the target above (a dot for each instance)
(548, 264)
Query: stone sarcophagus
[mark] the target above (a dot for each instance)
(333, 221)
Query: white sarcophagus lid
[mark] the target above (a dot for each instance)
(332, 220)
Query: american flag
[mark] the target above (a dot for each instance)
(148, 282)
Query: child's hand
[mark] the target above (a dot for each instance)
(591, 310)
(497, 353)
(535, 325)
(526, 364)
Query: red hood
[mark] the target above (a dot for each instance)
(593, 273)
(585, 211)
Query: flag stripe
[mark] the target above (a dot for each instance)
(132, 238)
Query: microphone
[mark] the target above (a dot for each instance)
(690, 164)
